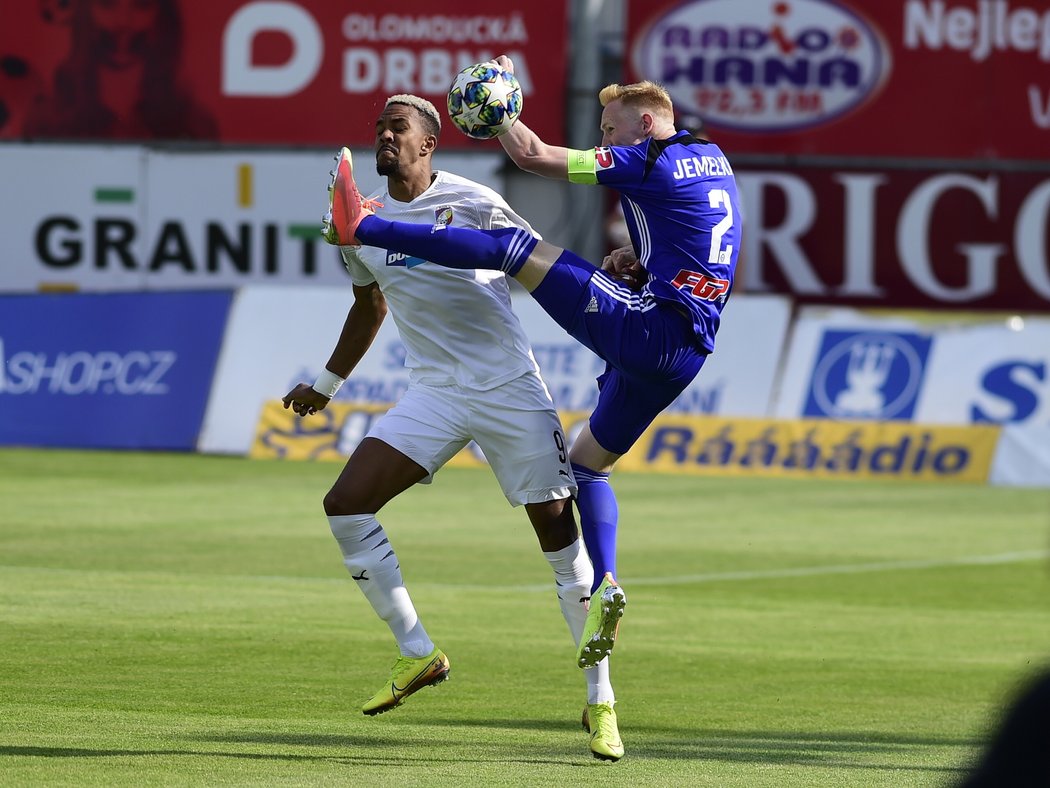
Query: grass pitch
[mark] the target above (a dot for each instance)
(186, 620)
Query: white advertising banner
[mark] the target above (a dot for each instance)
(847, 364)
(278, 337)
(71, 216)
(1022, 458)
(130, 218)
(736, 380)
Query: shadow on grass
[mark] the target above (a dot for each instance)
(368, 757)
(836, 750)
(846, 750)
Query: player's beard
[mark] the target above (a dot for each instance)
(387, 161)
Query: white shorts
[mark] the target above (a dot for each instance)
(515, 425)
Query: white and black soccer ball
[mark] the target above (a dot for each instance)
(484, 101)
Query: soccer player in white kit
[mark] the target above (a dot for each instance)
(472, 377)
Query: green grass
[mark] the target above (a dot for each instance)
(170, 619)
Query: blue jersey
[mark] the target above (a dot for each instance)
(680, 202)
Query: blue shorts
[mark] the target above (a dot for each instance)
(650, 346)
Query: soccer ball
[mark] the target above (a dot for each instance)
(484, 101)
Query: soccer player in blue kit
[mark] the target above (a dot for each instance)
(680, 202)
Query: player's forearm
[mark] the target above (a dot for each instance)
(359, 331)
(532, 154)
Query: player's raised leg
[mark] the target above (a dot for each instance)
(351, 221)
(599, 514)
(607, 604)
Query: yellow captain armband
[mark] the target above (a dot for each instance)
(582, 166)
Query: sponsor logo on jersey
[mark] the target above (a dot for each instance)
(402, 259)
(603, 159)
(790, 65)
(702, 286)
(867, 375)
(443, 216)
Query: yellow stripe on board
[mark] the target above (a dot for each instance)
(699, 445)
(244, 185)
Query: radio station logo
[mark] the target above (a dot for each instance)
(783, 66)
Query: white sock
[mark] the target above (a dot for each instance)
(372, 563)
(573, 574)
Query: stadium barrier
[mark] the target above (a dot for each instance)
(931, 368)
(264, 357)
(834, 393)
(108, 371)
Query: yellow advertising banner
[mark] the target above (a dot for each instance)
(699, 445)
(814, 448)
(331, 434)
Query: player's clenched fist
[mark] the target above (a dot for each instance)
(623, 264)
(304, 400)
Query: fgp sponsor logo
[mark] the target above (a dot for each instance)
(603, 159)
(816, 448)
(702, 286)
(804, 64)
(136, 372)
(873, 375)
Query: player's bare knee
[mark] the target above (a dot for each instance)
(339, 502)
(554, 524)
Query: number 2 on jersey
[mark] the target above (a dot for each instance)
(719, 198)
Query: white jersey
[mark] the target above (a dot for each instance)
(457, 325)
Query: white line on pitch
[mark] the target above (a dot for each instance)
(787, 572)
(845, 569)
(670, 580)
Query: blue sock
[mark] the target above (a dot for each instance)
(598, 517)
(505, 249)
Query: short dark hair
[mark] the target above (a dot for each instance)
(427, 112)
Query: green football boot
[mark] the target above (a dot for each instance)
(599, 720)
(409, 675)
(603, 623)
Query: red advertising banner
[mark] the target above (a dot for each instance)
(248, 71)
(918, 78)
(898, 238)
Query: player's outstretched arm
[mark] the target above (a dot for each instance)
(534, 155)
(527, 150)
(359, 330)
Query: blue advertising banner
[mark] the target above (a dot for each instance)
(116, 371)
(867, 374)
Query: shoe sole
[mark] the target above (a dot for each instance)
(600, 644)
(342, 208)
(338, 205)
(440, 677)
(601, 756)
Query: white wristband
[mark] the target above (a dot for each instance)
(328, 383)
